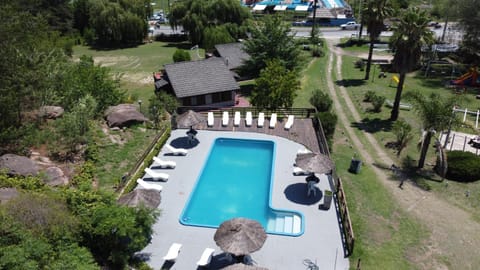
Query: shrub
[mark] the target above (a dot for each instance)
(328, 121)
(369, 96)
(377, 102)
(463, 166)
(321, 101)
(181, 56)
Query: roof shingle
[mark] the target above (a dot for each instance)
(200, 77)
(233, 54)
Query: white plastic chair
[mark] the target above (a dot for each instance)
(147, 185)
(206, 257)
(225, 118)
(157, 162)
(173, 252)
(273, 120)
(248, 119)
(236, 119)
(210, 119)
(176, 151)
(289, 122)
(156, 175)
(261, 119)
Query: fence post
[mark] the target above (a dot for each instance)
(465, 115)
(453, 141)
(464, 143)
(476, 120)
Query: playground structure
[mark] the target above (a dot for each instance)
(470, 78)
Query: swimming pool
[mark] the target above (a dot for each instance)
(236, 181)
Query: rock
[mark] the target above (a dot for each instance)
(123, 115)
(7, 194)
(55, 177)
(18, 165)
(50, 112)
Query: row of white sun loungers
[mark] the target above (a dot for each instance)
(158, 163)
(175, 248)
(248, 119)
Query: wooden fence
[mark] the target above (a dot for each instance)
(338, 191)
(128, 177)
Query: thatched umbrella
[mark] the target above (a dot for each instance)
(314, 163)
(189, 119)
(240, 236)
(241, 266)
(148, 197)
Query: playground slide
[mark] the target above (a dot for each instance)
(468, 79)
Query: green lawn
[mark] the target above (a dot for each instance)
(136, 65)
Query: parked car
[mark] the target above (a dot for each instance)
(350, 26)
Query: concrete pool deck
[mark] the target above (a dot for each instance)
(320, 243)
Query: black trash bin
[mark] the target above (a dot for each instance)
(355, 165)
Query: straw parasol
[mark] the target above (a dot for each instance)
(240, 236)
(189, 119)
(148, 197)
(315, 163)
(241, 266)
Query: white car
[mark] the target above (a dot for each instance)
(350, 26)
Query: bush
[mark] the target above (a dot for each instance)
(377, 102)
(369, 96)
(463, 166)
(181, 56)
(328, 121)
(321, 101)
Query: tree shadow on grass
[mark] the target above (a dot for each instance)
(373, 125)
(350, 82)
(179, 45)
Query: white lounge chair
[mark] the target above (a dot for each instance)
(147, 185)
(248, 119)
(157, 162)
(173, 252)
(273, 120)
(303, 151)
(210, 119)
(176, 151)
(300, 171)
(236, 119)
(156, 175)
(225, 118)
(261, 119)
(206, 257)
(289, 122)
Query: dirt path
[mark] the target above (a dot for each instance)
(455, 237)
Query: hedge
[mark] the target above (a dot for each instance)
(463, 166)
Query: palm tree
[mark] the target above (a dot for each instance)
(409, 36)
(374, 13)
(435, 113)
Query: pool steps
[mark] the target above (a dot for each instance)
(285, 224)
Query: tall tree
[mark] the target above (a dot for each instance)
(197, 15)
(374, 13)
(277, 93)
(470, 21)
(271, 39)
(409, 36)
(435, 113)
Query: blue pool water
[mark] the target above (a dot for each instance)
(236, 181)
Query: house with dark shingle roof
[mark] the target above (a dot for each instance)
(203, 82)
(232, 53)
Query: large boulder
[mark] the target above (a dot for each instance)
(50, 112)
(18, 165)
(7, 194)
(54, 176)
(123, 115)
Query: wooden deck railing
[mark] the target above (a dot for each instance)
(298, 112)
